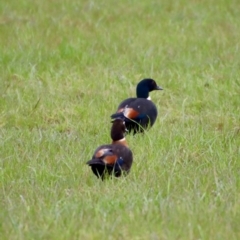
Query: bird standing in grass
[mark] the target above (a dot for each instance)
(113, 159)
(139, 113)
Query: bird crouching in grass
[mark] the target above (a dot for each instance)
(113, 159)
(139, 113)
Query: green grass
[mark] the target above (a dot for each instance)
(64, 68)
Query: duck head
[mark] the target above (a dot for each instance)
(118, 131)
(145, 86)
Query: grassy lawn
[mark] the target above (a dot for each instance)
(64, 68)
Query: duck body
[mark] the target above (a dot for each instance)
(113, 159)
(139, 113)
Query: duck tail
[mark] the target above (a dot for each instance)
(121, 114)
(118, 115)
(95, 161)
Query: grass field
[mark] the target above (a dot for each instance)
(64, 68)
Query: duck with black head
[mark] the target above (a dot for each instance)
(139, 113)
(113, 159)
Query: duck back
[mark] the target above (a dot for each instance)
(146, 113)
(118, 161)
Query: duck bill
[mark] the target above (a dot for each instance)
(158, 88)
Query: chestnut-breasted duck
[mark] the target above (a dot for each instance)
(139, 113)
(113, 159)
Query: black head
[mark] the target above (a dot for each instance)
(118, 129)
(145, 86)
